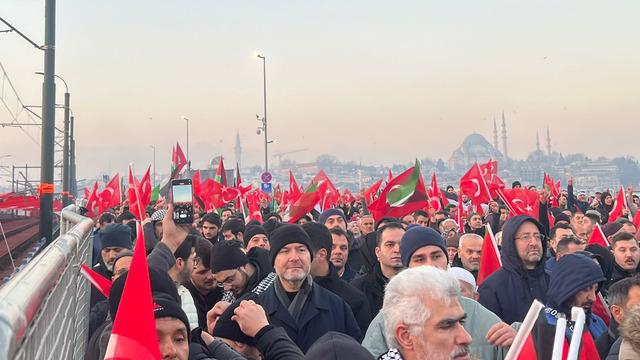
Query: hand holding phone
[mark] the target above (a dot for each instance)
(182, 199)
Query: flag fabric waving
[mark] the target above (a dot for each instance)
(404, 194)
(134, 328)
(98, 281)
(490, 260)
(618, 206)
(473, 185)
(597, 237)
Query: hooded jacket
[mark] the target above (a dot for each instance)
(574, 273)
(510, 291)
(605, 209)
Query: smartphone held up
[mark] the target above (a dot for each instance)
(182, 199)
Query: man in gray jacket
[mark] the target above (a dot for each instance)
(424, 247)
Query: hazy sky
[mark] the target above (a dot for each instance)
(370, 81)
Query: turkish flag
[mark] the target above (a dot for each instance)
(372, 192)
(134, 333)
(619, 205)
(294, 188)
(597, 237)
(139, 194)
(434, 193)
(98, 281)
(348, 197)
(523, 201)
(474, 186)
(490, 260)
(93, 200)
(111, 195)
(490, 173)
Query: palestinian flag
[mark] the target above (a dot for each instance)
(404, 194)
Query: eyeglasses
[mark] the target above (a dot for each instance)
(229, 280)
(529, 237)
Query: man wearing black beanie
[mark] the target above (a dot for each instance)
(239, 273)
(116, 239)
(305, 310)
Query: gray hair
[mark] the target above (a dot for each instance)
(403, 298)
(469, 235)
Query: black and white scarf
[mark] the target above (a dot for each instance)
(294, 307)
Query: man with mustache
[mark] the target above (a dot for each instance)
(423, 317)
(294, 301)
(510, 291)
(627, 256)
(574, 283)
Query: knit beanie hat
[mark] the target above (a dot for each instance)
(116, 235)
(229, 329)
(287, 234)
(331, 212)
(417, 237)
(164, 306)
(251, 231)
(227, 255)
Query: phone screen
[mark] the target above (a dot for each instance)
(182, 195)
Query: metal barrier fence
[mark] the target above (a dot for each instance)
(44, 309)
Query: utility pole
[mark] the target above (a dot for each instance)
(48, 123)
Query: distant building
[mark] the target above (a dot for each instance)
(474, 148)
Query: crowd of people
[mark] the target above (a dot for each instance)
(342, 285)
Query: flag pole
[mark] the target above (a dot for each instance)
(558, 341)
(525, 330)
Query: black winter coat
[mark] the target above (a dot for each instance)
(324, 311)
(372, 285)
(355, 298)
(510, 291)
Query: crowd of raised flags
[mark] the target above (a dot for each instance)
(401, 198)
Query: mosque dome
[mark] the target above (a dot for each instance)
(474, 148)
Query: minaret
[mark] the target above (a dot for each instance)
(238, 149)
(495, 134)
(504, 137)
(537, 141)
(548, 142)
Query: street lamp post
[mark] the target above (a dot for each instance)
(73, 187)
(154, 164)
(188, 161)
(264, 116)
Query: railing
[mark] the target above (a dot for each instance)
(44, 309)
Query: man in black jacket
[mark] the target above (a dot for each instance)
(116, 239)
(622, 296)
(626, 254)
(239, 273)
(389, 264)
(510, 291)
(304, 309)
(203, 287)
(326, 275)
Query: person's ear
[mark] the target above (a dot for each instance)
(403, 337)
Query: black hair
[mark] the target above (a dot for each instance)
(106, 218)
(235, 225)
(273, 214)
(212, 218)
(618, 293)
(387, 226)
(621, 236)
(126, 215)
(203, 251)
(563, 244)
(421, 213)
(184, 250)
(552, 232)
